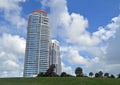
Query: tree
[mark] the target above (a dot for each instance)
(112, 76)
(91, 74)
(106, 75)
(78, 72)
(100, 74)
(96, 75)
(118, 75)
(50, 72)
(63, 74)
(41, 74)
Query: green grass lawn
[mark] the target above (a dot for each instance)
(59, 81)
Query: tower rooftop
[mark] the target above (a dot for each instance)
(37, 11)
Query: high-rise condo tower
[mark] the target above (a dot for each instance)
(37, 44)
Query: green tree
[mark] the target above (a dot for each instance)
(96, 75)
(63, 74)
(112, 76)
(100, 74)
(91, 74)
(118, 75)
(41, 74)
(78, 72)
(106, 75)
(50, 72)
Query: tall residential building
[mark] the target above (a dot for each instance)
(37, 44)
(55, 56)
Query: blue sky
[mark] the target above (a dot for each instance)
(88, 32)
(99, 13)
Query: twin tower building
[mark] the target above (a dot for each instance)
(41, 52)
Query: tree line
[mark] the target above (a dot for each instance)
(78, 73)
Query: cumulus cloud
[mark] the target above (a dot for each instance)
(74, 26)
(72, 55)
(113, 54)
(72, 30)
(14, 44)
(67, 69)
(8, 5)
(100, 48)
(12, 49)
(11, 11)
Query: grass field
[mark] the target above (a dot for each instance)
(59, 81)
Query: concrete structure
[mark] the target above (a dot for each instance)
(55, 56)
(40, 52)
(37, 45)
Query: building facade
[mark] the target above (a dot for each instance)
(37, 44)
(55, 56)
(40, 52)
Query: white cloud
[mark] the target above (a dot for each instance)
(10, 64)
(12, 44)
(72, 29)
(11, 74)
(67, 69)
(72, 56)
(74, 26)
(113, 54)
(11, 13)
(15, 19)
(12, 48)
(10, 4)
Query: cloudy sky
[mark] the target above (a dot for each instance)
(88, 32)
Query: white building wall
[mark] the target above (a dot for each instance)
(55, 56)
(37, 44)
